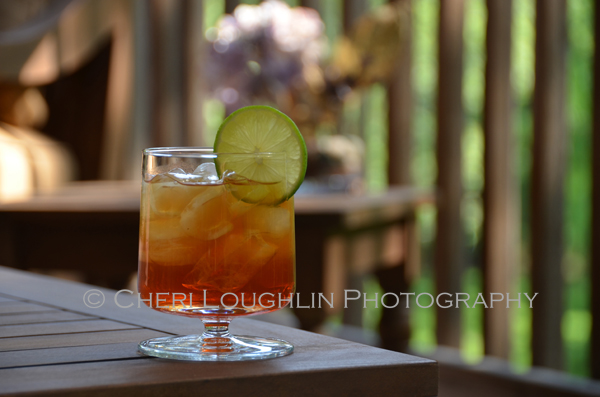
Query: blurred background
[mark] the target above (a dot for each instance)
(429, 93)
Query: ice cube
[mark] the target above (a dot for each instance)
(231, 177)
(169, 245)
(205, 173)
(165, 228)
(169, 198)
(230, 263)
(272, 223)
(237, 207)
(208, 171)
(175, 252)
(179, 175)
(206, 217)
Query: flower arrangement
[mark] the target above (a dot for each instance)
(274, 54)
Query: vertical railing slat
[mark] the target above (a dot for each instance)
(400, 110)
(154, 75)
(353, 9)
(548, 182)
(230, 5)
(449, 247)
(193, 52)
(499, 195)
(595, 227)
(351, 13)
(168, 79)
(127, 103)
(315, 4)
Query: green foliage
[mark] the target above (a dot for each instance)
(424, 75)
(331, 14)
(213, 9)
(424, 163)
(422, 319)
(472, 139)
(214, 114)
(522, 83)
(520, 329)
(472, 317)
(376, 138)
(372, 315)
(577, 317)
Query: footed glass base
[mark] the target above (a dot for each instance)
(210, 348)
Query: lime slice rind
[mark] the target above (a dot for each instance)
(263, 129)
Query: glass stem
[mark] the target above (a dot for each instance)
(216, 336)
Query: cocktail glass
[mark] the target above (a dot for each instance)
(215, 244)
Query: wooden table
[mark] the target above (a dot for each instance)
(93, 227)
(52, 344)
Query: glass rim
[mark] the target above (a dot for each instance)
(198, 152)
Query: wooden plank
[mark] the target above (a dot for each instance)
(353, 212)
(90, 325)
(595, 226)
(111, 200)
(547, 190)
(64, 355)
(23, 307)
(319, 363)
(394, 327)
(449, 242)
(82, 339)
(412, 241)
(69, 295)
(105, 203)
(102, 245)
(310, 252)
(494, 377)
(500, 226)
(357, 371)
(86, 196)
(400, 109)
(5, 300)
(45, 317)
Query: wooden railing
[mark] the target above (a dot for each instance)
(501, 227)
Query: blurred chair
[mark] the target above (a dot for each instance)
(65, 92)
(65, 110)
(31, 162)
